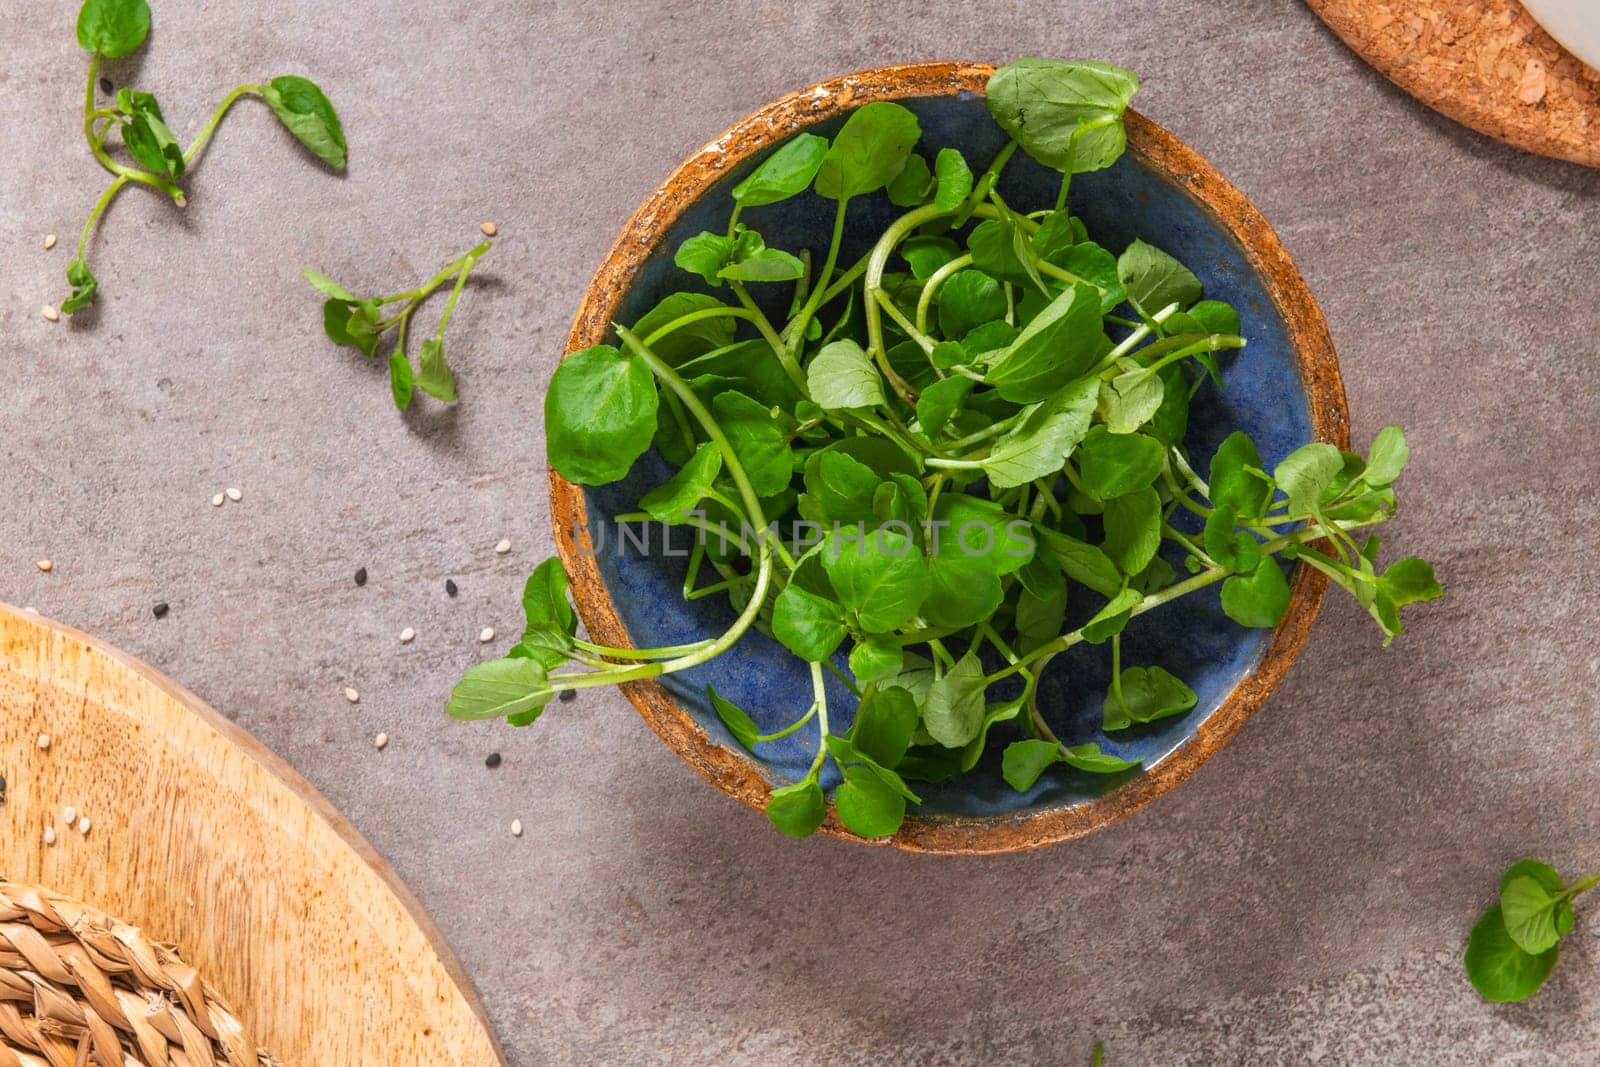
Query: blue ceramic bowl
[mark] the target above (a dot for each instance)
(1283, 389)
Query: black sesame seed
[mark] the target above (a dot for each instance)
(492, 760)
(105, 85)
(361, 576)
(160, 610)
(450, 587)
(568, 694)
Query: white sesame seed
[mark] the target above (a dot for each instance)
(31, 610)
(351, 695)
(49, 835)
(487, 635)
(49, 241)
(44, 742)
(49, 311)
(83, 825)
(69, 814)
(380, 741)
(407, 636)
(45, 565)
(235, 495)
(217, 500)
(503, 547)
(516, 827)
(489, 229)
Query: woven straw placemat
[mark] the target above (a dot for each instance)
(1485, 63)
(79, 988)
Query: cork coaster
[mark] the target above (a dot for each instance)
(1484, 63)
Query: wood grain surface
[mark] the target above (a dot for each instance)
(1485, 63)
(204, 839)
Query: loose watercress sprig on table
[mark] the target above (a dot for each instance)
(360, 323)
(1515, 945)
(981, 418)
(111, 29)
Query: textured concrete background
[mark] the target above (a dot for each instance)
(1304, 897)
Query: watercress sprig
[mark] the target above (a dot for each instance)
(110, 29)
(981, 419)
(361, 322)
(1515, 945)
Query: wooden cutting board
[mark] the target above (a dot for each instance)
(1485, 63)
(203, 838)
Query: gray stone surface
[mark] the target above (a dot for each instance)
(1303, 898)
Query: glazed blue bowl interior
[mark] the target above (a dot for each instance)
(1190, 637)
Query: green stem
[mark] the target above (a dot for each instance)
(791, 728)
(210, 127)
(821, 705)
(764, 327)
(465, 268)
(94, 215)
(1210, 576)
(797, 338)
(931, 286)
(97, 145)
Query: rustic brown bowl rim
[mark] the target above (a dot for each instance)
(1155, 148)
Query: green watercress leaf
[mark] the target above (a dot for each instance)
(868, 151)
(810, 626)
(842, 376)
(1045, 436)
(1498, 967)
(1067, 116)
(739, 723)
(400, 379)
(1306, 473)
(954, 179)
(1133, 529)
(913, 184)
(306, 113)
(1154, 279)
(600, 414)
(1059, 344)
(1535, 913)
(433, 374)
(867, 805)
(113, 28)
(879, 575)
(1147, 694)
(953, 712)
(500, 688)
(884, 725)
(797, 810)
(1113, 465)
(785, 173)
(1259, 599)
(757, 440)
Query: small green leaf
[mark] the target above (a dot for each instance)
(1387, 457)
(1025, 761)
(1084, 562)
(1498, 967)
(884, 725)
(1088, 757)
(926, 254)
(876, 659)
(327, 286)
(1531, 905)
(1410, 581)
(1232, 477)
(763, 265)
(913, 184)
(682, 493)
(1059, 344)
(1067, 116)
(113, 28)
(810, 626)
(967, 299)
(433, 375)
(739, 724)
(1258, 600)
(400, 380)
(1306, 473)
(600, 414)
(797, 809)
(1147, 694)
(1110, 620)
(868, 151)
(868, 805)
(879, 574)
(954, 709)
(1038, 445)
(784, 173)
(1133, 529)
(306, 113)
(1154, 279)
(149, 140)
(705, 254)
(954, 179)
(686, 342)
(550, 620)
(1114, 465)
(757, 440)
(940, 401)
(842, 376)
(84, 287)
(500, 687)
